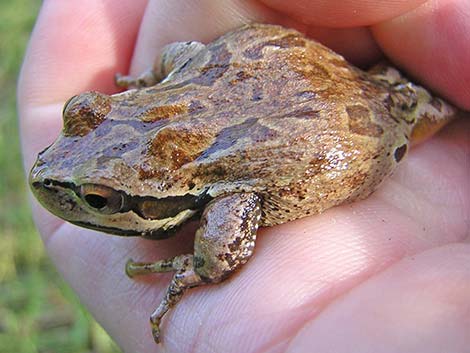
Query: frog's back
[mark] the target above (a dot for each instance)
(269, 111)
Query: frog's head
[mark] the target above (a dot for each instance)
(88, 176)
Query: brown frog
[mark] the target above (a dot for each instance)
(260, 127)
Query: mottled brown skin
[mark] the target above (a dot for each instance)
(260, 127)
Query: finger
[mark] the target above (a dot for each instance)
(357, 44)
(418, 305)
(432, 43)
(159, 29)
(172, 21)
(349, 13)
(75, 48)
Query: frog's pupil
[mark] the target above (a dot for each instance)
(96, 201)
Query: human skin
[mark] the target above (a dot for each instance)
(387, 274)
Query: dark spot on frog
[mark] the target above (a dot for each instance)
(388, 104)
(257, 94)
(235, 245)
(360, 121)
(400, 152)
(229, 136)
(196, 107)
(215, 68)
(304, 113)
(240, 76)
(229, 259)
(289, 41)
(119, 148)
(218, 171)
(198, 261)
(185, 65)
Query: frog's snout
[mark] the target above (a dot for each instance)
(45, 183)
(36, 176)
(39, 178)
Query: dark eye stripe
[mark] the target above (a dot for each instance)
(400, 152)
(149, 207)
(154, 208)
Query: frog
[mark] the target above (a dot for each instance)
(260, 127)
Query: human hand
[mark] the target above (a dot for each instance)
(389, 273)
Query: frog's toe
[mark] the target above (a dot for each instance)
(134, 268)
(146, 79)
(155, 332)
(123, 81)
(130, 268)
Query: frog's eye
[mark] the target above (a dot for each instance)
(85, 112)
(101, 198)
(67, 103)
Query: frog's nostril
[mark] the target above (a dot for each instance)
(36, 185)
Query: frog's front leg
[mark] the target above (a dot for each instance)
(224, 241)
(173, 57)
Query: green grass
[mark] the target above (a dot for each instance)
(38, 311)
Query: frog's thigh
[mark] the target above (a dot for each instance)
(224, 241)
(173, 57)
(226, 237)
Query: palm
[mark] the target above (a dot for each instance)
(344, 272)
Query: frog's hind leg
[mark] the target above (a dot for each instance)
(224, 241)
(184, 278)
(173, 57)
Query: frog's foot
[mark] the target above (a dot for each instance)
(146, 79)
(224, 242)
(184, 278)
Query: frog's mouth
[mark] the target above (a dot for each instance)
(150, 234)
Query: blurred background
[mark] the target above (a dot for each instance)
(38, 311)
